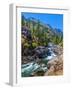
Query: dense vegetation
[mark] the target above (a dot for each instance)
(35, 33)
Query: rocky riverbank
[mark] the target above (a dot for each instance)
(45, 61)
(55, 66)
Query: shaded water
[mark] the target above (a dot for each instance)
(28, 69)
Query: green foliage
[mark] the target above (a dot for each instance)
(26, 45)
(34, 44)
(40, 34)
(22, 22)
(57, 39)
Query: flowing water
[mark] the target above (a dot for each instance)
(29, 68)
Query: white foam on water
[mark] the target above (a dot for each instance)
(30, 66)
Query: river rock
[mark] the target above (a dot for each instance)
(57, 49)
(41, 51)
(55, 66)
(27, 51)
(27, 59)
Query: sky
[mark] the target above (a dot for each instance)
(55, 20)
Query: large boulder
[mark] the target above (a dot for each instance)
(27, 59)
(41, 51)
(58, 49)
(55, 66)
